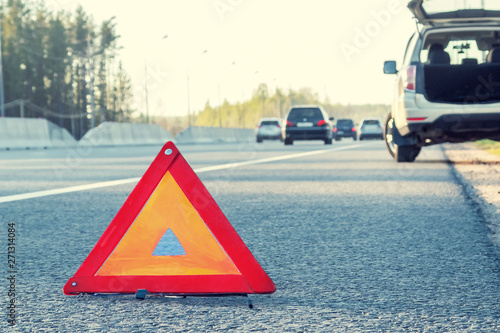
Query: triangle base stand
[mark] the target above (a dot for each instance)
(142, 293)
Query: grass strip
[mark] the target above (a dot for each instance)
(490, 146)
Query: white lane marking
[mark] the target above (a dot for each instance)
(71, 189)
(78, 188)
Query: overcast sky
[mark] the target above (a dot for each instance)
(335, 47)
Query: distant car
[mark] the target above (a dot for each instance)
(268, 129)
(344, 128)
(371, 128)
(307, 122)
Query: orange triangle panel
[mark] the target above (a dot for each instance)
(170, 237)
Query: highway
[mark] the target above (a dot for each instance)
(352, 240)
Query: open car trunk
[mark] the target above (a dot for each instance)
(439, 12)
(463, 84)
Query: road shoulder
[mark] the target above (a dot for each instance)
(479, 173)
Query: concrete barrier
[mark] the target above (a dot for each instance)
(60, 137)
(32, 133)
(126, 134)
(201, 135)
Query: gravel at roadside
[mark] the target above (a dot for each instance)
(479, 172)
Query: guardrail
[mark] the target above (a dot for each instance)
(27, 133)
(126, 134)
(32, 133)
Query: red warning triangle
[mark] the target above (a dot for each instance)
(170, 237)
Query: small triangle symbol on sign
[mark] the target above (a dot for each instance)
(169, 245)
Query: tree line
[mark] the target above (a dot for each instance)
(264, 104)
(65, 64)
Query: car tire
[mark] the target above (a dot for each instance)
(328, 141)
(388, 135)
(354, 138)
(288, 142)
(400, 153)
(338, 139)
(361, 138)
(259, 139)
(406, 153)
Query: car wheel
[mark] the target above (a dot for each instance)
(259, 139)
(288, 142)
(388, 136)
(338, 139)
(400, 153)
(354, 138)
(360, 138)
(328, 141)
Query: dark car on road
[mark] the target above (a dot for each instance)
(344, 128)
(309, 122)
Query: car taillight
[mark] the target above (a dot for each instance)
(410, 78)
(335, 129)
(322, 123)
(354, 129)
(289, 124)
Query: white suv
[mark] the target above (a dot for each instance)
(448, 87)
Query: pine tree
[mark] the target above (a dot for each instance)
(12, 34)
(35, 64)
(80, 32)
(57, 66)
(107, 51)
(122, 96)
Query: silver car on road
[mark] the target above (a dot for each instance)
(268, 129)
(371, 128)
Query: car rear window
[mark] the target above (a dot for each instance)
(371, 122)
(300, 114)
(269, 123)
(462, 51)
(344, 122)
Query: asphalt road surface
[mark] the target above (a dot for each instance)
(352, 240)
